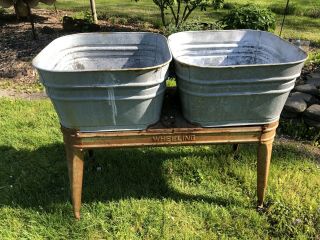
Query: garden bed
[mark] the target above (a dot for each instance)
(18, 47)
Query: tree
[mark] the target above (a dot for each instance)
(182, 9)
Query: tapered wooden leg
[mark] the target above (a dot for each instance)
(75, 167)
(264, 157)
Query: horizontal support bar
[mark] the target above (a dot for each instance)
(170, 136)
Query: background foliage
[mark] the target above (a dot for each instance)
(249, 17)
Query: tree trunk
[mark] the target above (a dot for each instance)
(162, 16)
(188, 14)
(174, 15)
(93, 11)
(178, 13)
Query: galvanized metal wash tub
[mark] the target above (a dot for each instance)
(105, 81)
(234, 77)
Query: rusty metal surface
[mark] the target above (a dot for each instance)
(105, 81)
(162, 135)
(234, 77)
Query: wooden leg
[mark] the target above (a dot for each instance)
(75, 167)
(264, 157)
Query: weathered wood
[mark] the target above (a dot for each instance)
(75, 169)
(263, 164)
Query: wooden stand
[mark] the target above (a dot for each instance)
(170, 131)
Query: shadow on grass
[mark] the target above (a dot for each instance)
(38, 178)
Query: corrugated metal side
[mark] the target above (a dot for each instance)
(106, 82)
(234, 77)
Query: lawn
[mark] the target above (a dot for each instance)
(149, 193)
(296, 26)
(153, 193)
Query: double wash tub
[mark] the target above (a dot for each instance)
(116, 81)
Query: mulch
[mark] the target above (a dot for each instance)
(18, 47)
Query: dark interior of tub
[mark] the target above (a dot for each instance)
(108, 57)
(229, 56)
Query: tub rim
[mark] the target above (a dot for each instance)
(240, 65)
(35, 60)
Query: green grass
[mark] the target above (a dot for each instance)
(33, 87)
(148, 193)
(296, 26)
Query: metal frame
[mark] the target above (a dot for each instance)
(159, 135)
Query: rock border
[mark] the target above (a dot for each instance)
(304, 101)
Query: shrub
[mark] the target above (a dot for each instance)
(181, 9)
(84, 15)
(249, 17)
